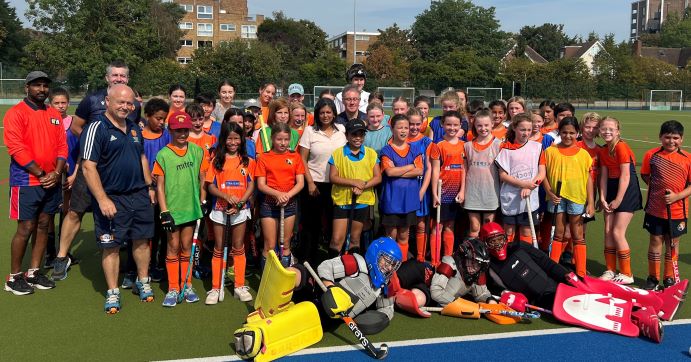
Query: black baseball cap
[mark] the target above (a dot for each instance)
(355, 125)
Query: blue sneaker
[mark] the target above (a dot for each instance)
(191, 295)
(128, 281)
(142, 288)
(171, 299)
(112, 304)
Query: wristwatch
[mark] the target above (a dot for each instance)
(43, 173)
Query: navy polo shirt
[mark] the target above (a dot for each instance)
(342, 118)
(117, 155)
(94, 105)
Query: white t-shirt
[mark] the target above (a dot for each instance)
(364, 102)
(320, 148)
(521, 163)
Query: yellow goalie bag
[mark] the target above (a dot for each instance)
(277, 327)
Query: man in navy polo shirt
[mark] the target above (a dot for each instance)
(89, 109)
(117, 173)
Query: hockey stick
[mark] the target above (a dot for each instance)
(530, 221)
(554, 217)
(437, 233)
(673, 250)
(507, 313)
(539, 309)
(183, 285)
(226, 235)
(351, 211)
(377, 353)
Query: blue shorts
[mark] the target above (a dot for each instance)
(27, 202)
(134, 220)
(568, 206)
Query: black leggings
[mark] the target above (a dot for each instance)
(316, 219)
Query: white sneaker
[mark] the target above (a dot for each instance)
(243, 293)
(212, 297)
(607, 275)
(623, 279)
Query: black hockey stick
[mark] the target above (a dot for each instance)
(378, 353)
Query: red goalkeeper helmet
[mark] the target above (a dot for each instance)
(494, 236)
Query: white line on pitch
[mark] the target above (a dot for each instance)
(427, 341)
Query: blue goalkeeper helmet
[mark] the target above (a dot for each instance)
(383, 259)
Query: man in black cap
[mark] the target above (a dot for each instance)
(35, 140)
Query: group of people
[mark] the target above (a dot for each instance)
(329, 187)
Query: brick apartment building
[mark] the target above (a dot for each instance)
(343, 43)
(647, 16)
(210, 22)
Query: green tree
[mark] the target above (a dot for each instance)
(458, 68)
(676, 32)
(386, 67)
(81, 38)
(13, 38)
(297, 41)
(397, 40)
(249, 64)
(616, 76)
(154, 77)
(450, 25)
(547, 39)
(327, 69)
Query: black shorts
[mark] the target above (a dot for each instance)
(399, 220)
(520, 219)
(588, 219)
(659, 227)
(268, 209)
(449, 211)
(359, 215)
(134, 220)
(27, 202)
(632, 197)
(80, 199)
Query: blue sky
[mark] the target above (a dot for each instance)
(578, 16)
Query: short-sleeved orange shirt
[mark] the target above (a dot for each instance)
(622, 154)
(500, 132)
(233, 180)
(452, 168)
(280, 169)
(667, 170)
(206, 141)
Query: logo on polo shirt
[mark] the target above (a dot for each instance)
(243, 172)
(288, 161)
(113, 138)
(55, 121)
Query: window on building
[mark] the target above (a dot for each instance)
(635, 11)
(360, 53)
(184, 60)
(187, 8)
(205, 12)
(227, 27)
(204, 44)
(362, 37)
(186, 26)
(205, 29)
(249, 32)
(633, 21)
(633, 31)
(185, 43)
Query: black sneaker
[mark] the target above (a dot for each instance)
(668, 282)
(73, 260)
(40, 281)
(156, 274)
(49, 260)
(60, 268)
(17, 285)
(652, 283)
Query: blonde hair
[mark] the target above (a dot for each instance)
(617, 139)
(516, 99)
(294, 106)
(375, 105)
(590, 116)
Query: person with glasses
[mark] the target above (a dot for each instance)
(351, 98)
